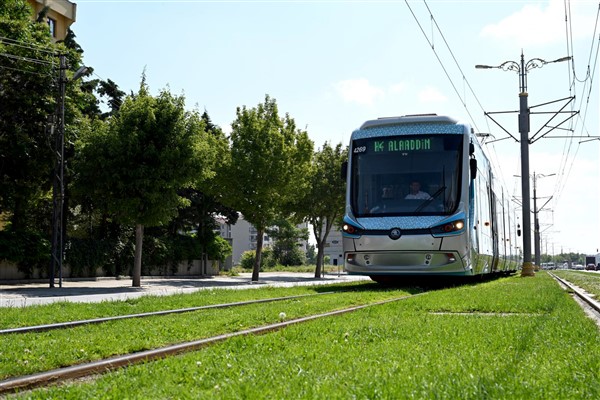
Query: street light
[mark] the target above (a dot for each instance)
(58, 185)
(522, 68)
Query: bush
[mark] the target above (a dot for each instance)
(85, 255)
(266, 260)
(219, 249)
(294, 256)
(29, 250)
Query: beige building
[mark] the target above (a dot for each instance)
(333, 247)
(243, 237)
(60, 16)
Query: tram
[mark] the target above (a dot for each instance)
(422, 199)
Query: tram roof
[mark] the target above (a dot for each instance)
(409, 119)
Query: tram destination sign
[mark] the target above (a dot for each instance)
(399, 144)
(402, 144)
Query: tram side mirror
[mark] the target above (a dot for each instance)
(344, 170)
(473, 168)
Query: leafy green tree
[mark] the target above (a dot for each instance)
(323, 204)
(311, 254)
(205, 198)
(29, 82)
(151, 149)
(287, 237)
(27, 98)
(268, 158)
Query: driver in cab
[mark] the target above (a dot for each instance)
(416, 193)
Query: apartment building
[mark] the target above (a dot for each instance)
(243, 237)
(61, 14)
(333, 247)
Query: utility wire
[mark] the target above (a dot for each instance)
(25, 71)
(26, 45)
(27, 59)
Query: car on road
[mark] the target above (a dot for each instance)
(590, 267)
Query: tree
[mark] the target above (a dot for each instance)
(205, 199)
(150, 150)
(27, 99)
(287, 236)
(29, 106)
(323, 204)
(269, 157)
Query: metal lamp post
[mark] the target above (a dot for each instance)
(524, 116)
(58, 186)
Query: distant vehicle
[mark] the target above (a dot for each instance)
(578, 266)
(590, 267)
(593, 260)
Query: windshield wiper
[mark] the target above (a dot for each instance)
(430, 199)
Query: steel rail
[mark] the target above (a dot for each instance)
(72, 324)
(579, 293)
(109, 364)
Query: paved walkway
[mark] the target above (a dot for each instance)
(109, 289)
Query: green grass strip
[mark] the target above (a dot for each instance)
(512, 338)
(34, 352)
(589, 281)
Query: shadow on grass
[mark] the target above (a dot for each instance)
(427, 283)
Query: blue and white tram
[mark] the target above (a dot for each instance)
(458, 223)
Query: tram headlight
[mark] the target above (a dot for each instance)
(449, 227)
(351, 230)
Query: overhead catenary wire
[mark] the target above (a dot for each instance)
(569, 155)
(577, 124)
(439, 59)
(493, 154)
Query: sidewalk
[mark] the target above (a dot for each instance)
(111, 289)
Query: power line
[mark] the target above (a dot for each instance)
(26, 59)
(26, 45)
(25, 71)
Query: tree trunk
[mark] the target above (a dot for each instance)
(259, 244)
(320, 238)
(319, 263)
(137, 261)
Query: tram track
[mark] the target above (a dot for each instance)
(590, 305)
(87, 369)
(73, 324)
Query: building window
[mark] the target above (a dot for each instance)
(52, 25)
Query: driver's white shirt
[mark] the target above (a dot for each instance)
(419, 196)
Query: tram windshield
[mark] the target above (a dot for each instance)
(406, 175)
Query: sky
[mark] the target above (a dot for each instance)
(331, 65)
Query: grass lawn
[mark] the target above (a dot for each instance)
(511, 338)
(589, 281)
